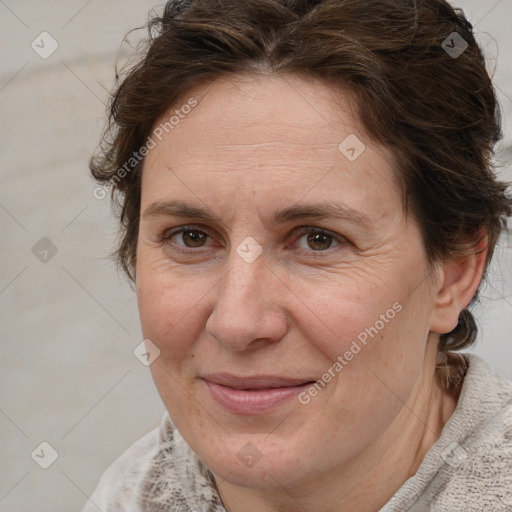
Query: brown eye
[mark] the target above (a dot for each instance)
(194, 238)
(316, 240)
(190, 238)
(319, 241)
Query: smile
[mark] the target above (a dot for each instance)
(253, 395)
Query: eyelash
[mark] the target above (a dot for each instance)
(301, 231)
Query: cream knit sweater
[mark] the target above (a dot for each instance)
(468, 469)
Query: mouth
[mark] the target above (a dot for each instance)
(260, 394)
(255, 382)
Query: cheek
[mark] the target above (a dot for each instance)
(372, 333)
(169, 312)
(339, 310)
(169, 309)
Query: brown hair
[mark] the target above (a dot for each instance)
(436, 110)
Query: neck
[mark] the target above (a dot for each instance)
(370, 480)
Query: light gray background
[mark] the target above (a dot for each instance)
(69, 326)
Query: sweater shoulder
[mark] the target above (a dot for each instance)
(480, 469)
(476, 462)
(118, 487)
(157, 473)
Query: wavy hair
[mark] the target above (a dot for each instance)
(436, 109)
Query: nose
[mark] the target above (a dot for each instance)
(247, 313)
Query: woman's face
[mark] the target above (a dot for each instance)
(274, 253)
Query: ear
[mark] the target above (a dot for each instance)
(457, 283)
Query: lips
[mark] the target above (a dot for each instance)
(255, 382)
(258, 394)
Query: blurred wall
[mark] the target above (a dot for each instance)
(69, 323)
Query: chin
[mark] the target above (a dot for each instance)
(253, 461)
(267, 473)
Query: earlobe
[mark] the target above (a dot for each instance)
(459, 278)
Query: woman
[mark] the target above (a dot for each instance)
(308, 208)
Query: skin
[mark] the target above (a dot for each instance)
(252, 146)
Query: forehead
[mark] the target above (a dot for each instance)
(249, 110)
(281, 135)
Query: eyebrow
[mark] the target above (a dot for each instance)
(297, 212)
